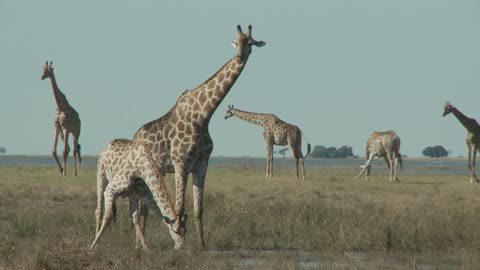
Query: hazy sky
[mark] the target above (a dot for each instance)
(337, 69)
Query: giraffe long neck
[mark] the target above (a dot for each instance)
(60, 99)
(156, 183)
(254, 118)
(213, 91)
(469, 123)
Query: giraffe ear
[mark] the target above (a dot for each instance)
(257, 43)
(234, 44)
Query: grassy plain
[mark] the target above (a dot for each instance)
(326, 222)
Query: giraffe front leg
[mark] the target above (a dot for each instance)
(135, 213)
(470, 163)
(56, 132)
(66, 150)
(365, 168)
(269, 160)
(108, 209)
(181, 178)
(199, 176)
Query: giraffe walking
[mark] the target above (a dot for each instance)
(387, 145)
(180, 140)
(473, 137)
(126, 168)
(66, 121)
(276, 132)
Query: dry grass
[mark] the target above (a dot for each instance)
(47, 221)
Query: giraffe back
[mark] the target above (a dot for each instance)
(382, 141)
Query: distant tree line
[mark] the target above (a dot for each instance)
(435, 151)
(3, 150)
(320, 151)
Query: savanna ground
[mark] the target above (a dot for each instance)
(326, 222)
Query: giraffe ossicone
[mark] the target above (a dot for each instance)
(66, 121)
(180, 141)
(276, 132)
(126, 168)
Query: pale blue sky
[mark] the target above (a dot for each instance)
(337, 69)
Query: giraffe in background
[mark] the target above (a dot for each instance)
(126, 168)
(180, 141)
(473, 137)
(276, 132)
(387, 145)
(66, 121)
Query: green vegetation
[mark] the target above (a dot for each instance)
(320, 151)
(47, 221)
(435, 151)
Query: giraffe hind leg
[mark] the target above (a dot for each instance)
(474, 157)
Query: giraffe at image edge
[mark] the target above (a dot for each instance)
(473, 137)
(180, 141)
(66, 121)
(276, 132)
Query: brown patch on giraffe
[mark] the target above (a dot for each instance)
(203, 97)
(181, 126)
(188, 130)
(225, 84)
(181, 135)
(211, 84)
(221, 77)
(196, 106)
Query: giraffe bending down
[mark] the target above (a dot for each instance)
(473, 137)
(387, 145)
(126, 168)
(276, 132)
(66, 121)
(180, 140)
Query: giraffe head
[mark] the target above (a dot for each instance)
(245, 42)
(447, 108)
(229, 112)
(177, 229)
(47, 71)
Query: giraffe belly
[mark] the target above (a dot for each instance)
(281, 141)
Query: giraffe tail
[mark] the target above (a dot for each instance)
(309, 149)
(309, 146)
(400, 161)
(78, 153)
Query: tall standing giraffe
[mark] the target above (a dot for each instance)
(124, 169)
(276, 132)
(387, 145)
(180, 140)
(473, 137)
(66, 121)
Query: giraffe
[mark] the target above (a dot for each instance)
(66, 121)
(126, 168)
(387, 145)
(276, 132)
(180, 140)
(473, 137)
